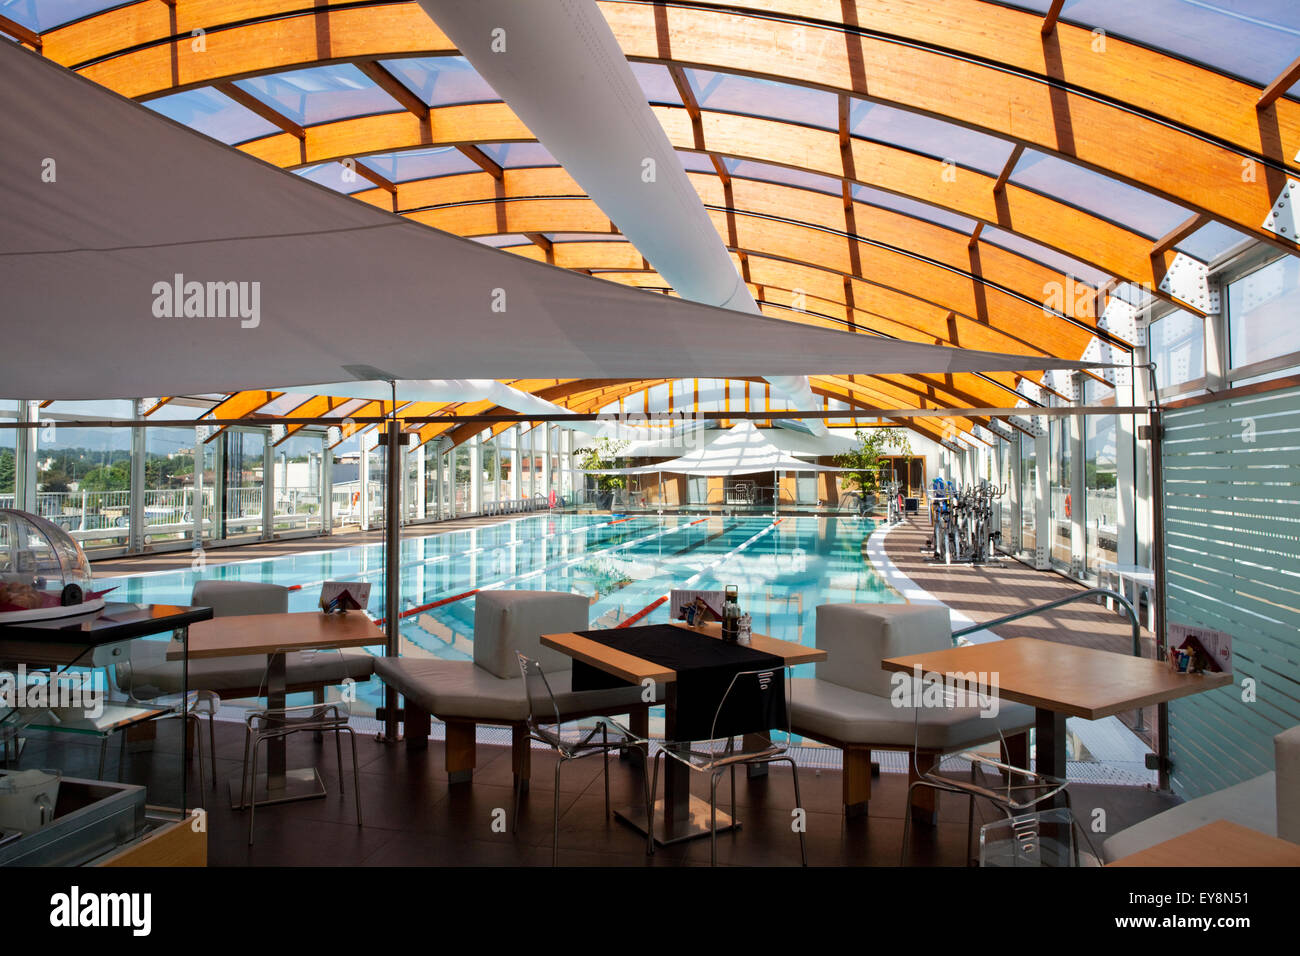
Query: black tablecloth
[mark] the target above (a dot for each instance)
(705, 667)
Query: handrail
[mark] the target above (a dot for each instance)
(1106, 592)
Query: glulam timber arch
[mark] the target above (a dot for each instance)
(1199, 169)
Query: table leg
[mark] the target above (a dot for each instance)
(1049, 748)
(678, 815)
(278, 784)
(276, 760)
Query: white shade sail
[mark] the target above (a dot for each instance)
(138, 257)
(740, 450)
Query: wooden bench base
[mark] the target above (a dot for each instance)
(858, 772)
(460, 747)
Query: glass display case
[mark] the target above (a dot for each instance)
(43, 571)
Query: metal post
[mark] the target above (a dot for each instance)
(392, 544)
(1157, 505)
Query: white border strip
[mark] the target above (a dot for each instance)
(912, 592)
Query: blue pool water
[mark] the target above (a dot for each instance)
(784, 569)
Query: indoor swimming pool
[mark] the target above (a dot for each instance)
(625, 565)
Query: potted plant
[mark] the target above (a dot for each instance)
(604, 454)
(863, 463)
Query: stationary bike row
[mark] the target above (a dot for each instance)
(961, 521)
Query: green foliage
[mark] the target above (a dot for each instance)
(114, 477)
(8, 471)
(604, 454)
(865, 459)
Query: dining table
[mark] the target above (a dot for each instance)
(690, 695)
(1061, 681)
(274, 636)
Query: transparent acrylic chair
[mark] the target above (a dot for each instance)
(270, 723)
(142, 658)
(1033, 839)
(1020, 791)
(717, 755)
(545, 726)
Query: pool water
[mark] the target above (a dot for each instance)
(784, 568)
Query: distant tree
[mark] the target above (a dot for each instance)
(53, 480)
(864, 460)
(8, 471)
(114, 477)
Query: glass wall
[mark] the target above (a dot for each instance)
(1101, 481)
(299, 482)
(169, 486)
(1262, 320)
(1176, 343)
(83, 474)
(8, 455)
(243, 482)
(1028, 492)
(1059, 477)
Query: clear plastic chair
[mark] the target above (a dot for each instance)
(720, 754)
(1020, 791)
(1034, 839)
(141, 655)
(545, 726)
(322, 717)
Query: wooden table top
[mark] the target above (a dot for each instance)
(267, 633)
(635, 669)
(1217, 844)
(1075, 681)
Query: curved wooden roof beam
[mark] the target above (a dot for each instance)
(1174, 163)
(922, 279)
(1179, 164)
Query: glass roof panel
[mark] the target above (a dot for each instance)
(411, 164)
(1211, 241)
(1108, 198)
(1040, 253)
(213, 114)
(504, 239)
(442, 80)
(783, 101)
(1253, 39)
(657, 83)
(320, 94)
(747, 169)
(924, 134)
(42, 15)
(516, 155)
(696, 162)
(911, 207)
(336, 176)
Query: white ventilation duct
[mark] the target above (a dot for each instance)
(559, 67)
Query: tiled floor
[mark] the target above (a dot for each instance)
(413, 817)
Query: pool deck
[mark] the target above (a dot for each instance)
(984, 592)
(258, 550)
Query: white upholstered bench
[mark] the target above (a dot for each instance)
(847, 704)
(1269, 803)
(489, 689)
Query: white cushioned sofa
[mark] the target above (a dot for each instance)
(490, 690)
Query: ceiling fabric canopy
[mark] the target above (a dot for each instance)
(148, 259)
(740, 450)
